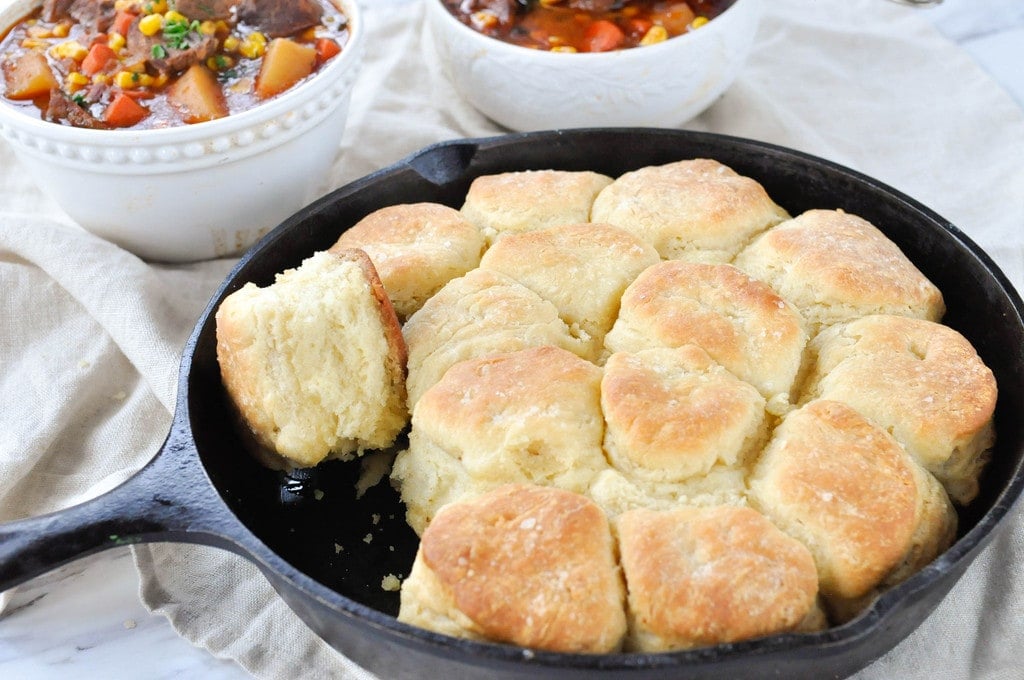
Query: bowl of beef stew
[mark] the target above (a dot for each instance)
(180, 130)
(540, 64)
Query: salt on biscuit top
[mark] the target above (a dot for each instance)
(416, 249)
(698, 210)
(315, 362)
(848, 491)
(921, 381)
(835, 266)
(673, 414)
(581, 268)
(741, 322)
(704, 576)
(531, 416)
(483, 312)
(526, 565)
(514, 202)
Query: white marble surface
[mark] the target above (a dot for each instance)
(85, 620)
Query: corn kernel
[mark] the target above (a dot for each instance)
(219, 62)
(127, 80)
(75, 81)
(33, 44)
(39, 32)
(484, 20)
(100, 79)
(61, 30)
(222, 26)
(208, 28)
(563, 48)
(258, 37)
(120, 5)
(69, 49)
(151, 24)
(116, 41)
(160, 80)
(175, 16)
(231, 44)
(251, 49)
(155, 7)
(655, 34)
(698, 22)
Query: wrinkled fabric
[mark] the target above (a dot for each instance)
(91, 336)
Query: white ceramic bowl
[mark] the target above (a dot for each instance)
(660, 85)
(200, 191)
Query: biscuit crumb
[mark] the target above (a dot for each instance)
(338, 548)
(130, 624)
(390, 583)
(368, 538)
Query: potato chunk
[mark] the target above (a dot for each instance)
(29, 76)
(198, 95)
(285, 63)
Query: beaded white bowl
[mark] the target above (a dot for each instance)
(199, 191)
(661, 85)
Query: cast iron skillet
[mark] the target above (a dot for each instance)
(326, 552)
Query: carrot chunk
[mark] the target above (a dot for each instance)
(123, 111)
(99, 55)
(602, 36)
(123, 22)
(325, 49)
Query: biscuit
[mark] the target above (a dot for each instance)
(704, 576)
(526, 565)
(481, 313)
(849, 492)
(835, 266)
(921, 381)
(672, 414)
(697, 210)
(315, 362)
(416, 249)
(532, 416)
(514, 202)
(739, 321)
(582, 269)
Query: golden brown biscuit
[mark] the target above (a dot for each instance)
(527, 565)
(416, 249)
(741, 322)
(673, 414)
(528, 416)
(835, 266)
(514, 202)
(704, 576)
(849, 492)
(481, 313)
(315, 362)
(581, 268)
(921, 381)
(697, 210)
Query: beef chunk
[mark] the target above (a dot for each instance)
(95, 15)
(55, 10)
(63, 109)
(596, 5)
(503, 10)
(140, 48)
(206, 9)
(279, 18)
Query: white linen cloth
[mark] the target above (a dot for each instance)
(90, 336)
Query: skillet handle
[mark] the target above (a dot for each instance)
(170, 499)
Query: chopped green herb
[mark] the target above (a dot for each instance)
(225, 76)
(177, 31)
(79, 99)
(158, 51)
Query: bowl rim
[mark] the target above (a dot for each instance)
(291, 100)
(437, 9)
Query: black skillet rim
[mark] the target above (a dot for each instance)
(959, 555)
